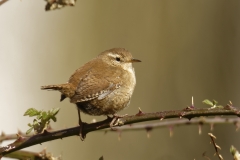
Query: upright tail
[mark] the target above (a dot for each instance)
(66, 89)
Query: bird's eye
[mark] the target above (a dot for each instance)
(118, 59)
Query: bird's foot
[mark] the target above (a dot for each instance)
(116, 121)
(82, 134)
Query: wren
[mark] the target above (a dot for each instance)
(102, 86)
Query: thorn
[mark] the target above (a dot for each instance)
(211, 135)
(161, 117)
(3, 134)
(18, 135)
(148, 129)
(192, 103)
(237, 125)
(211, 126)
(19, 132)
(148, 134)
(229, 106)
(188, 108)
(139, 109)
(170, 131)
(181, 115)
(218, 147)
(200, 129)
(139, 112)
(119, 135)
(45, 132)
(49, 128)
(221, 157)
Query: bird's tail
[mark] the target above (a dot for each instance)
(57, 87)
(66, 89)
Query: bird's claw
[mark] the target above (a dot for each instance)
(116, 121)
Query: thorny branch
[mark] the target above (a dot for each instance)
(180, 122)
(216, 147)
(161, 124)
(189, 113)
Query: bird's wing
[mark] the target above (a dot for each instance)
(95, 85)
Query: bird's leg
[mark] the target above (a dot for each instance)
(82, 135)
(115, 120)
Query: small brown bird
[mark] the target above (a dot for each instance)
(102, 86)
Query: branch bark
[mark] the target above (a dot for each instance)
(189, 113)
(150, 126)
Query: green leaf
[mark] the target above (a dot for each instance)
(39, 116)
(214, 102)
(54, 111)
(29, 130)
(44, 115)
(29, 125)
(54, 119)
(208, 102)
(31, 112)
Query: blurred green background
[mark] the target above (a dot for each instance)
(188, 48)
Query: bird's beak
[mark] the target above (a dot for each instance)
(135, 60)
